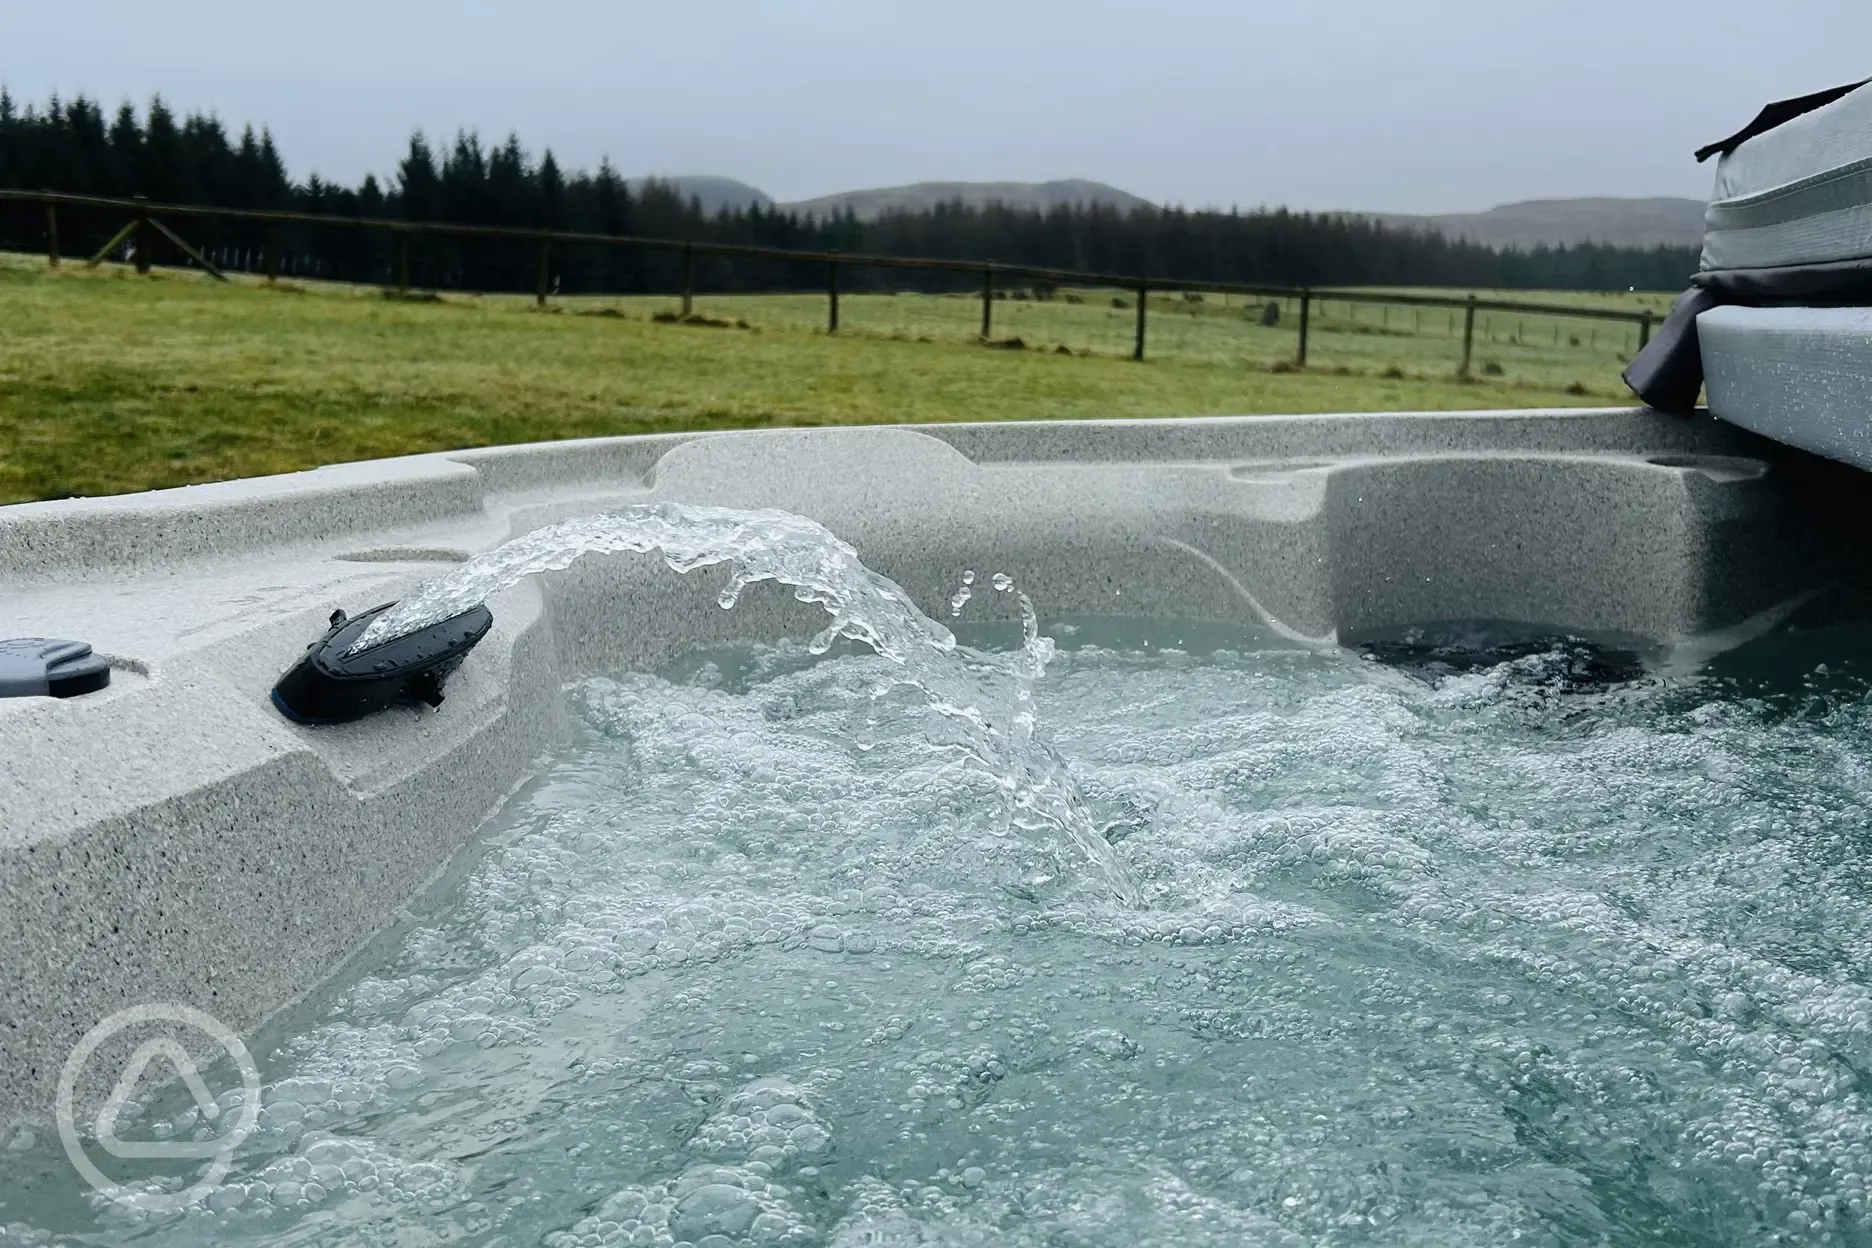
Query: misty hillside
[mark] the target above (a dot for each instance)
(869, 205)
(1621, 222)
(1662, 221)
(716, 193)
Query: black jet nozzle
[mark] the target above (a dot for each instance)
(329, 686)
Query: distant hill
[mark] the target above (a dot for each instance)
(1530, 223)
(716, 193)
(920, 195)
(1622, 222)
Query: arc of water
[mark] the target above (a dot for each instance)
(865, 607)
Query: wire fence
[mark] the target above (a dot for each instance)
(403, 256)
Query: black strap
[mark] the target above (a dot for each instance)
(1838, 282)
(1777, 114)
(1668, 373)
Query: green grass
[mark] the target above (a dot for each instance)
(1550, 352)
(111, 382)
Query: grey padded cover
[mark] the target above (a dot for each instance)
(1798, 194)
(1802, 376)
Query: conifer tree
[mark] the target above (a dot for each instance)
(419, 183)
(72, 145)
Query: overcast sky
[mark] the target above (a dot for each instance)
(1424, 106)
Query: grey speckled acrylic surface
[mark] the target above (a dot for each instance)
(173, 839)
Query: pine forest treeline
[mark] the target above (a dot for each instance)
(75, 146)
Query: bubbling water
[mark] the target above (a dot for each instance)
(966, 689)
(1495, 955)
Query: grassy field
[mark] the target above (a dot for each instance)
(112, 382)
(1426, 343)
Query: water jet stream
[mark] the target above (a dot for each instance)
(964, 688)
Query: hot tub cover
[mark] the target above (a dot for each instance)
(1789, 222)
(1798, 194)
(1802, 376)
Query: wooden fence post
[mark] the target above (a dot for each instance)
(1468, 337)
(1644, 330)
(51, 234)
(1306, 315)
(271, 261)
(832, 293)
(402, 262)
(116, 241)
(688, 280)
(987, 301)
(145, 237)
(539, 292)
(210, 267)
(1143, 298)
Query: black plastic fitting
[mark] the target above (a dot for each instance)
(329, 686)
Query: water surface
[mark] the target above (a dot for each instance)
(1479, 953)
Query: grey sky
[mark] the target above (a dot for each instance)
(1438, 105)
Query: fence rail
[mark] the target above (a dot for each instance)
(145, 226)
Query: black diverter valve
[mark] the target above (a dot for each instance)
(44, 667)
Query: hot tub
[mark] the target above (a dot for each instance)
(173, 839)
